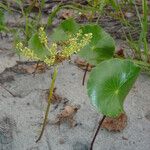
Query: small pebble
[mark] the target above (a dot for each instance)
(28, 104)
(61, 141)
(129, 15)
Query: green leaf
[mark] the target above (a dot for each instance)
(38, 48)
(109, 83)
(2, 24)
(61, 32)
(70, 25)
(58, 35)
(101, 47)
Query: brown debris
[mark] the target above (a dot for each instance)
(115, 124)
(82, 64)
(67, 115)
(34, 3)
(56, 98)
(67, 13)
(40, 68)
(27, 67)
(120, 52)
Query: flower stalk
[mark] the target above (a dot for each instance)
(49, 102)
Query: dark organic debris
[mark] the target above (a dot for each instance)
(120, 52)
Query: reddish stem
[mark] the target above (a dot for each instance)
(100, 123)
(86, 69)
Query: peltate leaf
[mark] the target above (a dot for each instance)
(58, 35)
(61, 32)
(101, 47)
(109, 83)
(70, 25)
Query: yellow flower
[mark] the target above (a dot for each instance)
(43, 36)
(25, 51)
(19, 46)
(49, 61)
(53, 49)
(76, 43)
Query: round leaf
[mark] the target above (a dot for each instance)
(101, 47)
(58, 35)
(70, 25)
(109, 83)
(61, 32)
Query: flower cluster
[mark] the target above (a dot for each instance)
(53, 53)
(25, 51)
(43, 36)
(74, 44)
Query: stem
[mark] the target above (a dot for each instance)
(49, 102)
(99, 126)
(141, 63)
(27, 27)
(145, 27)
(86, 69)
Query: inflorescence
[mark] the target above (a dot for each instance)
(73, 45)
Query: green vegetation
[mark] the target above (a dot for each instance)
(113, 76)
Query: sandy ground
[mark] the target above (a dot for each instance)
(21, 116)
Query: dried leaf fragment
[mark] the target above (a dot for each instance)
(34, 68)
(82, 64)
(115, 124)
(67, 13)
(67, 115)
(40, 68)
(56, 98)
